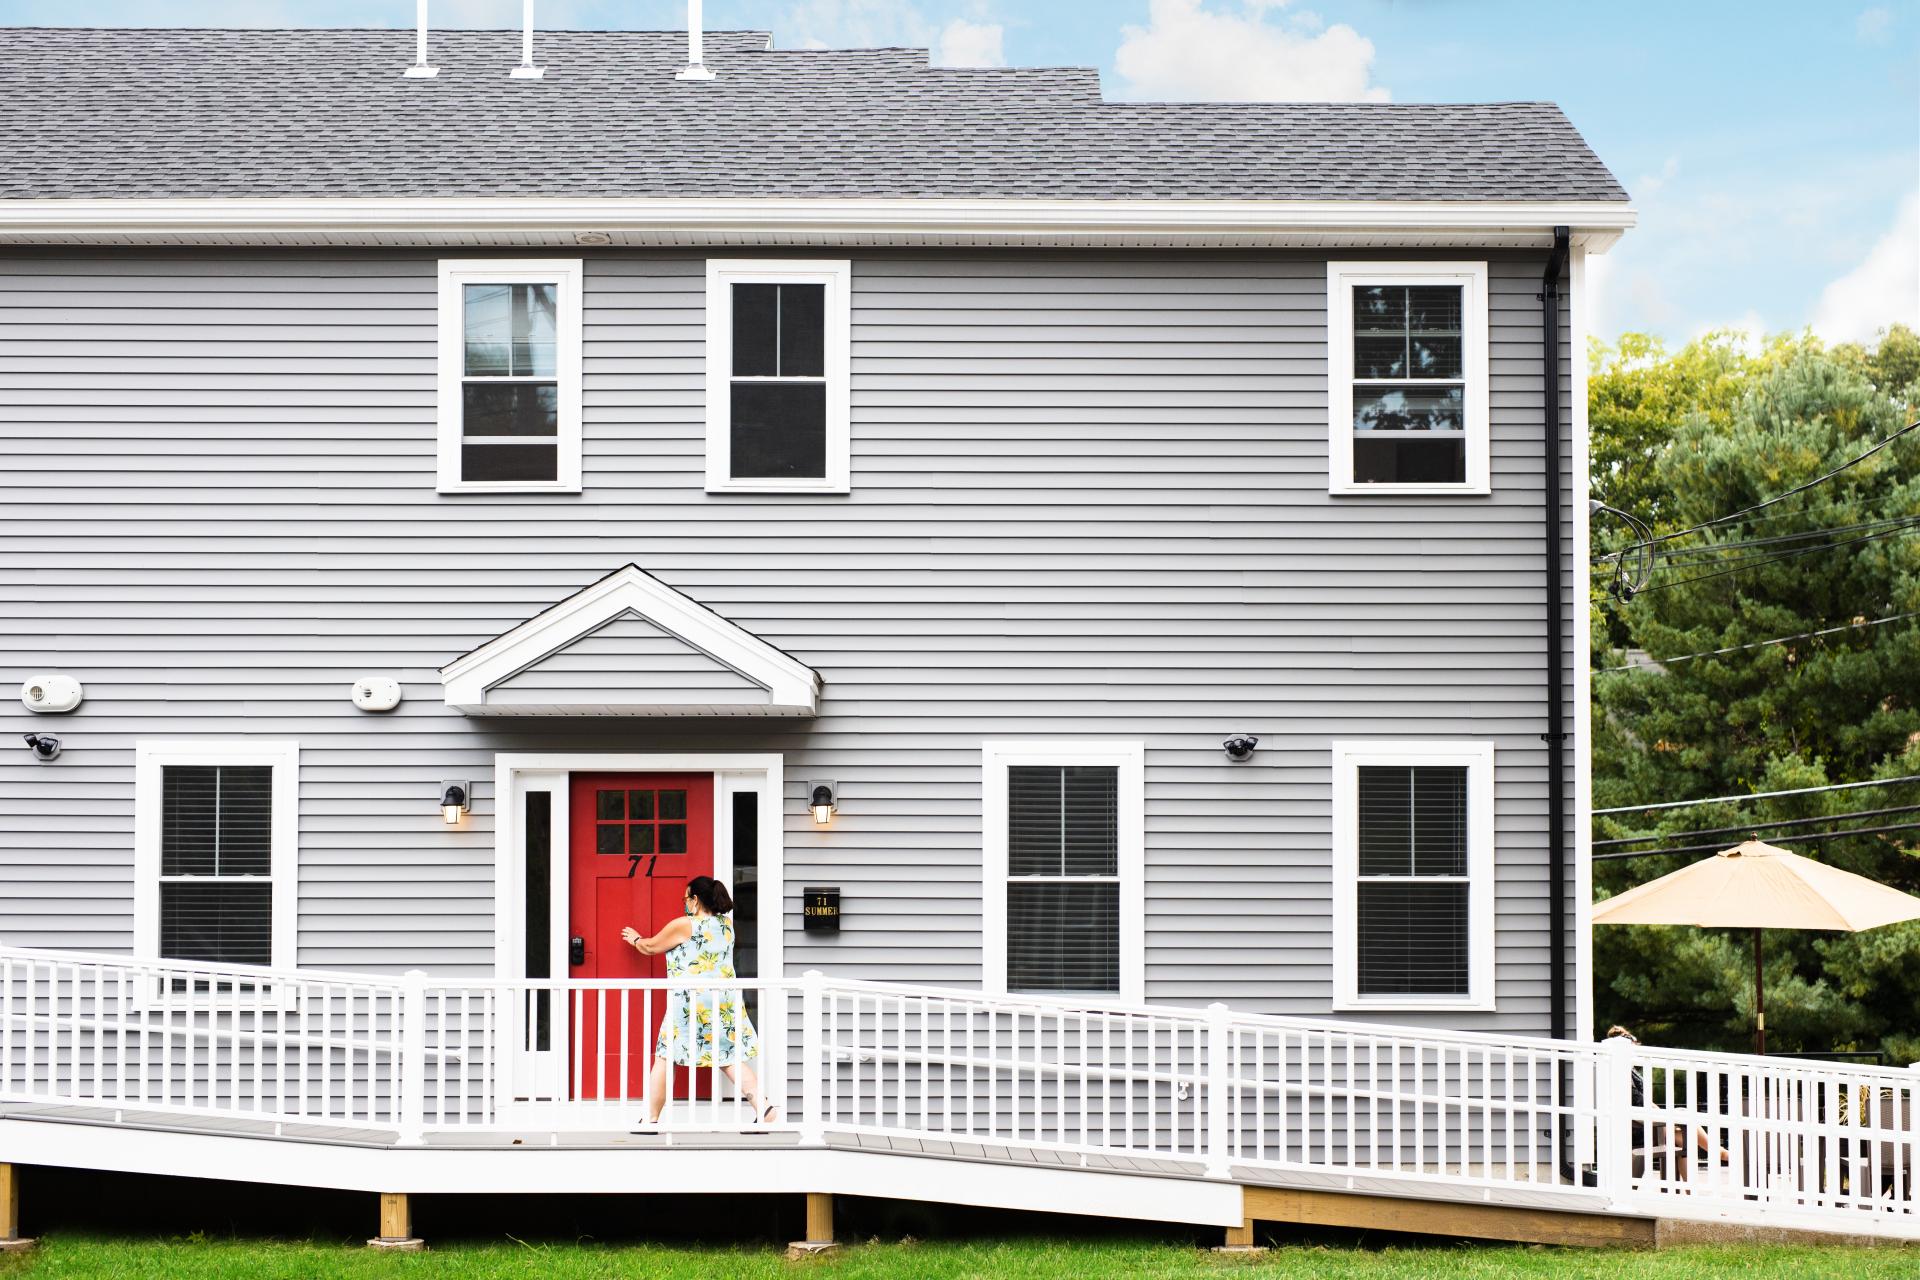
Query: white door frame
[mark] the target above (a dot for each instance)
(515, 774)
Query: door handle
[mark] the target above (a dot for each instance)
(576, 951)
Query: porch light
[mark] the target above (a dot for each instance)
(822, 803)
(454, 801)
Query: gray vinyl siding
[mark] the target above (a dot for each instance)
(1089, 499)
(631, 656)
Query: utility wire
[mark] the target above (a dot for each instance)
(1655, 663)
(1760, 826)
(1882, 443)
(1674, 555)
(1757, 795)
(1715, 847)
(1758, 562)
(1708, 554)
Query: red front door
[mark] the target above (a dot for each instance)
(637, 838)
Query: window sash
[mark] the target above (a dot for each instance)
(1408, 455)
(516, 459)
(776, 466)
(1448, 962)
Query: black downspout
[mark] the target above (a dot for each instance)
(1556, 735)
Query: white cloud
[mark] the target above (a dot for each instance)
(1885, 287)
(1648, 183)
(1874, 25)
(1194, 52)
(971, 44)
(854, 24)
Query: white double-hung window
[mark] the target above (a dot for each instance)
(1413, 875)
(779, 339)
(1064, 851)
(1407, 377)
(509, 344)
(214, 851)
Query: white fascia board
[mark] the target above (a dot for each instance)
(1595, 223)
(792, 687)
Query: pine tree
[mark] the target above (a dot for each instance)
(1681, 440)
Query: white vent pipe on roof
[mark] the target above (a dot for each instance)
(696, 67)
(420, 67)
(526, 70)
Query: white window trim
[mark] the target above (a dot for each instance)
(1342, 279)
(722, 275)
(1347, 759)
(1130, 758)
(149, 757)
(568, 274)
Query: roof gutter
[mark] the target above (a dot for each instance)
(1137, 223)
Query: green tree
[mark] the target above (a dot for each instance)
(1682, 439)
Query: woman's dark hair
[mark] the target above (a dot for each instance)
(711, 894)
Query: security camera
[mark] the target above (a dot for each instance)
(45, 745)
(1240, 749)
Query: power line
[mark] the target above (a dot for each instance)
(1757, 795)
(1674, 555)
(1762, 561)
(1882, 443)
(1656, 663)
(1761, 826)
(1716, 845)
(1707, 554)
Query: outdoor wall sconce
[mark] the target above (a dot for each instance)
(1240, 749)
(455, 800)
(823, 801)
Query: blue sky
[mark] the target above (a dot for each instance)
(1772, 148)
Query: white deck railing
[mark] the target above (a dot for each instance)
(1212, 1092)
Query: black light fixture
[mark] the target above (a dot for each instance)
(1239, 748)
(455, 800)
(822, 801)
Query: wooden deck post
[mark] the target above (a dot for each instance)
(1240, 1239)
(819, 1228)
(11, 1241)
(396, 1224)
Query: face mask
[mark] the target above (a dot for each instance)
(687, 908)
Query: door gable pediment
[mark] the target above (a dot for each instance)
(630, 645)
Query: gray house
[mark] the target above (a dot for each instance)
(1024, 543)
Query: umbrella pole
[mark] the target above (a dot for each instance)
(1759, 1000)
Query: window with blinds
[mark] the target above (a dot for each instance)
(1063, 878)
(216, 863)
(1412, 900)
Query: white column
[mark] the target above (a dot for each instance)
(420, 69)
(696, 45)
(526, 70)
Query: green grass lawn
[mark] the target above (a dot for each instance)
(189, 1259)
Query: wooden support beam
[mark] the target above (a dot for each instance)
(396, 1224)
(1240, 1239)
(11, 1240)
(1444, 1218)
(819, 1228)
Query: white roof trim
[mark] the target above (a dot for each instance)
(1596, 224)
(792, 687)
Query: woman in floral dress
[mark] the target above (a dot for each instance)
(701, 1027)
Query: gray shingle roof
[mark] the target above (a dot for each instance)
(177, 113)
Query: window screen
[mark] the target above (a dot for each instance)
(1412, 930)
(778, 386)
(510, 389)
(1063, 891)
(216, 863)
(1409, 384)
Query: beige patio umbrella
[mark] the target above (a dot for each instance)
(1756, 886)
